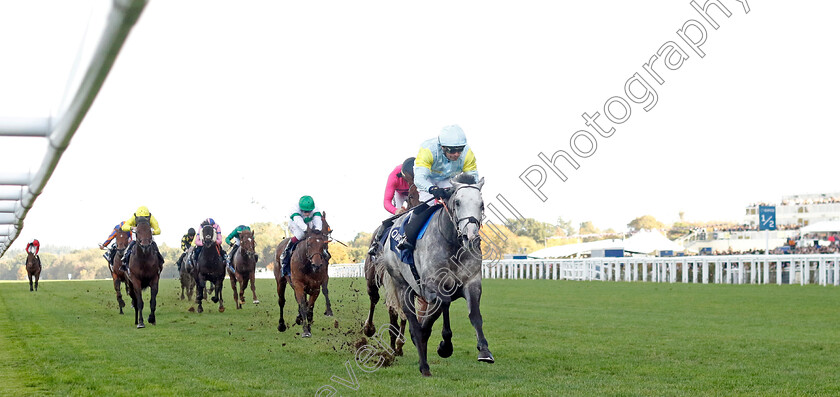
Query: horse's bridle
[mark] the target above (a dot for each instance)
(457, 222)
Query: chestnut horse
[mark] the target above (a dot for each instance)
(209, 267)
(244, 263)
(309, 261)
(144, 267)
(117, 273)
(33, 269)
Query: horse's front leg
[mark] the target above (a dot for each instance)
(199, 293)
(153, 286)
(253, 276)
(138, 303)
(219, 285)
(300, 297)
(327, 312)
(445, 348)
(233, 278)
(281, 301)
(472, 293)
(120, 300)
(243, 284)
(30, 281)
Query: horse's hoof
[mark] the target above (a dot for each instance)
(398, 351)
(281, 327)
(445, 349)
(486, 357)
(200, 309)
(191, 309)
(214, 299)
(256, 302)
(426, 372)
(328, 313)
(298, 320)
(141, 325)
(222, 309)
(306, 334)
(368, 329)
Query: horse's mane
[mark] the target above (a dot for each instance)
(465, 178)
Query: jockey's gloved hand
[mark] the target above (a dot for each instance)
(437, 192)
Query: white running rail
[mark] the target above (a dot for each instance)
(16, 203)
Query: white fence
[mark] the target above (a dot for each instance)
(723, 269)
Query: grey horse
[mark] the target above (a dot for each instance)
(448, 263)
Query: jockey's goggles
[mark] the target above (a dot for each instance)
(452, 149)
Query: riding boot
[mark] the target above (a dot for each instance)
(412, 227)
(181, 261)
(196, 252)
(286, 258)
(124, 266)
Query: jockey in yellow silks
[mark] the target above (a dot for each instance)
(439, 159)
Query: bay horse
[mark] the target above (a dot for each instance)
(209, 267)
(244, 263)
(309, 262)
(448, 262)
(33, 269)
(144, 267)
(186, 274)
(119, 276)
(377, 278)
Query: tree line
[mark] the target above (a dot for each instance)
(517, 236)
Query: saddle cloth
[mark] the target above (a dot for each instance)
(396, 233)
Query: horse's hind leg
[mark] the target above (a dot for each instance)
(327, 312)
(396, 342)
(445, 348)
(420, 333)
(254, 288)
(472, 293)
(373, 294)
(37, 277)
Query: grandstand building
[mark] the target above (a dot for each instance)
(792, 213)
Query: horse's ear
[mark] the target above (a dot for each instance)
(456, 185)
(480, 183)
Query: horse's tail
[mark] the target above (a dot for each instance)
(392, 298)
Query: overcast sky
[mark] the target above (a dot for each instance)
(233, 110)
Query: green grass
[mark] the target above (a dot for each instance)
(548, 337)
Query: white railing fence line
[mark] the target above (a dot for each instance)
(736, 269)
(58, 131)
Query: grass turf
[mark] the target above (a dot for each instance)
(548, 337)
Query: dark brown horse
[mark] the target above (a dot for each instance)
(33, 269)
(209, 267)
(186, 275)
(309, 261)
(144, 267)
(119, 276)
(376, 279)
(245, 265)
